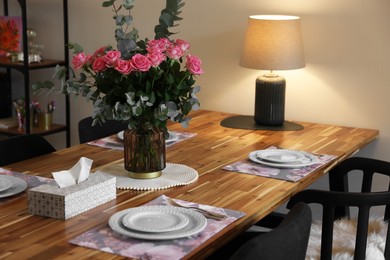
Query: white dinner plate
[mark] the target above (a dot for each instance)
(18, 186)
(280, 155)
(5, 184)
(308, 160)
(196, 223)
(172, 136)
(154, 219)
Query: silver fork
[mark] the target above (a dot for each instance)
(206, 213)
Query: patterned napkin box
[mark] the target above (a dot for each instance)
(49, 200)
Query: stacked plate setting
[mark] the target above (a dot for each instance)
(157, 222)
(10, 185)
(283, 158)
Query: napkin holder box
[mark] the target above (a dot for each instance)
(49, 200)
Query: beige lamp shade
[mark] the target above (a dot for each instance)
(273, 42)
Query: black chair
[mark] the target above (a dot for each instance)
(336, 203)
(23, 147)
(287, 241)
(88, 133)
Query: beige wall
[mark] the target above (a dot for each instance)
(344, 82)
(346, 43)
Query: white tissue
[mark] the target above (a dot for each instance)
(78, 173)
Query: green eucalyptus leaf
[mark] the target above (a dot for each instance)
(59, 72)
(89, 95)
(128, 4)
(185, 122)
(83, 78)
(43, 85)
(174, 4)
(125, 46)
(195, 89)
(128, 19)
(119, 33)
(166, 19)
(108, 3)
(133, 34)
(119, 20)
(187, 106)
(76, 47)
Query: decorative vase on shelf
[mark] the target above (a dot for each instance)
(144, 152)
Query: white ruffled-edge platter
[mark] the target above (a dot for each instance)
(308, 160)
(196, 224)
(154, 219)
(172, 136)
(280, 155)
(18, 186)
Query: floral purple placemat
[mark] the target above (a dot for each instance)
(105, 239)
(114, 142)
(32, 181)
(287, 174)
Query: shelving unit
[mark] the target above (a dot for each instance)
(25, 67)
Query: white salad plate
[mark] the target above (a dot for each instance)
(172, 136)
(280, 155)
(5, 184)
(154, 220)
(196, 223)
(308, 160)
(18, 186)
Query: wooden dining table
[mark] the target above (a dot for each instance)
(25, 236)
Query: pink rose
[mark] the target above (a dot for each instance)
(99, 64)
(79, 60)
(124, 67)
(112, 57)
(140, 62)
(175, 52)
(156, 58)
(154, 46)
(88, 59)
(100, 52)
(159, 45)
(193, 64)
(182, 44)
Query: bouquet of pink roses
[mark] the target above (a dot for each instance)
(154, 84)
(140, 81)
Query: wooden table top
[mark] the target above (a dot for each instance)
(25, 236)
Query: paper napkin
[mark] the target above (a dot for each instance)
(78, 173)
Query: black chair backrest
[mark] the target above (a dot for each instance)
(23, 147)
(338, 178)
(331, 201)
(88, 133)
(287, 241)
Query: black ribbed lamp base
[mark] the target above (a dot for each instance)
(269, 107)
(269, 100)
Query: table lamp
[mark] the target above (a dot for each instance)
(272, 42)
